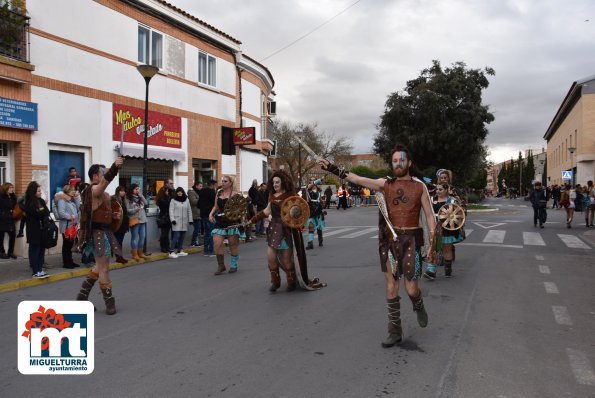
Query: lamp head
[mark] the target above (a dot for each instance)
(571, 149)
(147, 71)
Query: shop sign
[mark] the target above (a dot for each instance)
(244, 136)
(18, 114)
(129, 125)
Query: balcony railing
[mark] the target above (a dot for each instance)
(14, 34)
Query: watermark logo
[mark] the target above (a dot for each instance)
(56, 337)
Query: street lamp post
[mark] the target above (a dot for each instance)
(147, 72)
(571, 150)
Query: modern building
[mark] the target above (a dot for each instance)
(571, 136)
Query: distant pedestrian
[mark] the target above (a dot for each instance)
(539, 198)
(120, 197)
(181, 216)
(163, 199)
(137, 221)
(328, 195)
(342, 195)
(73, 177)
(206, 202)
(567, 197)
(591, 194)
(8, 202)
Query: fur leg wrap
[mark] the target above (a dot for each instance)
(88, 284)
(110, 301)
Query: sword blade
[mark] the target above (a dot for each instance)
(307, 148)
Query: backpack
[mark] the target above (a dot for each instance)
(49, 233)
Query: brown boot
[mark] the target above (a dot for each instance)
(395, 332)
(88, 284)
(134, 254)
(120, 259)
(275, 280)
(220, 264)
(291, 284)
(420, 310)
(141, 254)
(110, 301)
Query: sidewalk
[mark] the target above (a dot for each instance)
(16, 274)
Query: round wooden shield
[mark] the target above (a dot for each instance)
(116, 208)
(295, 212)
(451, 216)
(235, 208)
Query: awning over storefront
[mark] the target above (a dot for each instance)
(137, 151)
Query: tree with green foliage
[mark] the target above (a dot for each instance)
(441, 119)
(529, 171)
(293, 157)
(480, 181)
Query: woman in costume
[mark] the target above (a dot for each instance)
(222, 228)
(316, 220)
(281, 238)
(447, 238)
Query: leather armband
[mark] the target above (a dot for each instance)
(111, 173)
(338, 171)
(259, 216)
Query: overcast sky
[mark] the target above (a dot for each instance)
(341, 74)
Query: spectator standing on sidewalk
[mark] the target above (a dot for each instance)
(261, 204)
(36, 210)
(591, 194)
(67, 211)
(120, 197)
(193, 198)
(206, 201)
(181, 216)
(164, 196)
(366, 195)
(137, 221)
(8, 201)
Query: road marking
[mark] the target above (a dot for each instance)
(494, 236)
(533, 239)
(374, 236)
(539, 257)
(359, 233)
(544, 269)
(523, 206)
(486, 225)
(573, 242)
(468, 232)
(490, 244)
(551, 288)
(561, 314)
(337, 231)
(583, 372)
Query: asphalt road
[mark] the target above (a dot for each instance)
(516, 320)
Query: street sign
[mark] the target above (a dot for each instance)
(567, 174)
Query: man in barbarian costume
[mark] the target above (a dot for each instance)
(96, 235)
(399, 243)
(281, 238)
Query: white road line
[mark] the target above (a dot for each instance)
(337, 231)
(573, 242)
(494, 236)
(523, 206)
(583, 372)
(551, 288)
(539, 257)
(468, 232)
(561, 314)
(359, 233)
(374, 236)
(544, 269)
(490, 244)
(533, 239)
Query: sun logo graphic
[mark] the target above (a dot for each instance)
(56, 337)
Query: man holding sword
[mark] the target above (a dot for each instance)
(400, 234)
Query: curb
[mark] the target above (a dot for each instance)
(20, 284)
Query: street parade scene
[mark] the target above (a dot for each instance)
(188, 231)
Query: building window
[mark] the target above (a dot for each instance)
(150, 47)
(207, 69)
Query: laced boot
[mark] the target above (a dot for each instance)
(134, 254)
(418, 307)
(320, 238)
(110, 301)
(120, 259)
(291, 283)
(310, 245)
(275, 281)
(88, 284)
(220, 264)
(395, 332)
(448, 268)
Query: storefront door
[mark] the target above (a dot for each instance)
(60, 162)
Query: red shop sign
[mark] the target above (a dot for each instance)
(244, 136)
(164, 130)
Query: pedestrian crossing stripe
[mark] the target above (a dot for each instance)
(493, 237)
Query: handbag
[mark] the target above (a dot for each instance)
(71, 231)
(133, 222)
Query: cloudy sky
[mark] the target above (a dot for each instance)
(341, 74)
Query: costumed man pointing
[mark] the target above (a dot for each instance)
(96, 234)
(316, 220)
(405, 196)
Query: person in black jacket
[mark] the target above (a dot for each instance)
(37, 211)
(206, 201)
(164, 196)
(8, 201)
(539, 198)
(120, 196)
